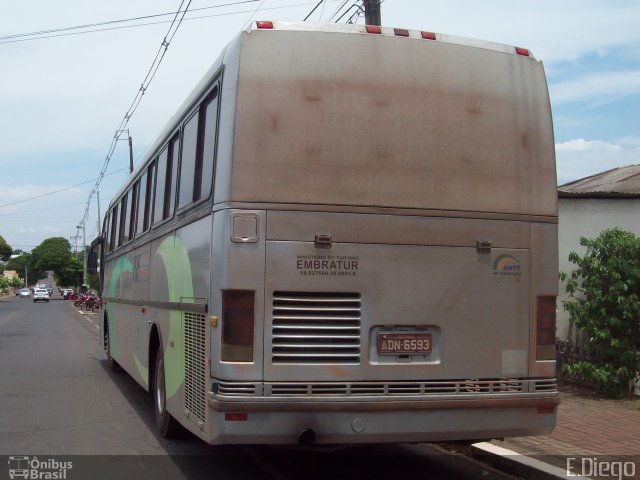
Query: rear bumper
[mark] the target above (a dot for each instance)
(353, 421)
(267, 404)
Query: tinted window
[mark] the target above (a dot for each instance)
(209, 144)
(174, 151)
(127, 218)
(121, 216)
(107, 232)
(142, 202)
(133, 206)
(188, 164)
(114, 226)
(112, 230)
(147, 209)
(161, 177)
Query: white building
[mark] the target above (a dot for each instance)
(588, 206)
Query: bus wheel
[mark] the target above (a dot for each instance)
(167, 425)
(115, 366)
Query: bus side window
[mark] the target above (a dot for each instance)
(121, 219)
(209, 144)
(106, 229)
(172, 180)
(131, 224)
(114, 227)
(161, 184)
(126, 226)
(149, 196)
(188, 163)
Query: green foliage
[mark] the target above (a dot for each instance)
(71, 273)
(52, 254)
(94, 281)
(25, 261)
(604, 303)
(5, 249)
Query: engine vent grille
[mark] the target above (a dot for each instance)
(316, 327)
(195, 385)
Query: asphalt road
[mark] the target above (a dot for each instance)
(60, 400)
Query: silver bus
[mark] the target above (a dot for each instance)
(346, 234)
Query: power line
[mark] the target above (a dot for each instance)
(196, 17)
(112, 22)
(45, 208)
(313, 10)
(166, 41)
(57, 191)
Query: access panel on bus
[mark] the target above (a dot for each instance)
(367, 312)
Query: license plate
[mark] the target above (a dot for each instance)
(404, 343)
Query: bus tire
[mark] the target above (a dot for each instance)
(167, 425)
(115, 366)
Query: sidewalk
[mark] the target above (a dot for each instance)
(589, 425)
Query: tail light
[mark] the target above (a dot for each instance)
(546, 328)
(237, 325)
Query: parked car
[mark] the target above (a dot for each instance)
(41, 295)
(25, 293)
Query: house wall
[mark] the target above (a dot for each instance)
(581, 217)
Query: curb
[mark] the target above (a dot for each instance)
(518, 464)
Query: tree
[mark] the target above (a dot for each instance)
(71, 273)
(22, 263)
(604, 303)
(52, 254)
(5, 250)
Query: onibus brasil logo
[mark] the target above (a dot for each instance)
(507, 266)
(33, 468)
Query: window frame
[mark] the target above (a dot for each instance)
(213, 96)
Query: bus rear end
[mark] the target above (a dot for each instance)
(389, 241)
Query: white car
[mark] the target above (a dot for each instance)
(25, 293)
(41, 295)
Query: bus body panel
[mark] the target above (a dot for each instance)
(478, 318)
(366, 120)
(425, 170)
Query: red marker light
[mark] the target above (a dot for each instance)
(374, 29)
(428, 35)
(235, 416)
(522, 51)
(401, 32)
(264, 25)
(547, 410)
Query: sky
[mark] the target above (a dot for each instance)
(63, 97)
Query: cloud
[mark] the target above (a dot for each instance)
(597, 87)
(580, 158)
(582, 145)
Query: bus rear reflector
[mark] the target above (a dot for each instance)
(235, 416)
(522, 51)
(237, 325)
(546, 328)
(374, 29)
(263, 24)
(546, 410)
(428, 35)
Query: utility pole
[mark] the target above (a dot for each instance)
(84, 254)
(130, 153)
(99, 220)
(372, 12)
